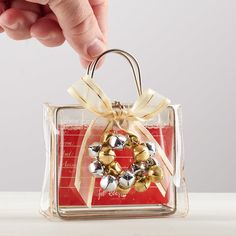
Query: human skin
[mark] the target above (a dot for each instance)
(83, 23)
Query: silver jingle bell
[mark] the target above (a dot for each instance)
(117, 141)
(126, 179)
(94, 149)
(151, 148)
(96, 168)
(138, 168)
(108, 183)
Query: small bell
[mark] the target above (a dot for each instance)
(126, 179)
(142, 184)
(141, 153)
(132, 141)
(151, 148)
(96, 168)
(138, 168)
(122, 191)
(117, 141)
(94, 149)
(151, 162)
(114, 168)
(108, 183)
(106, 155)
(155, 173)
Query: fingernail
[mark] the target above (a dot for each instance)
(95, 48)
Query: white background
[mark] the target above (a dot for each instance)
(186, 50)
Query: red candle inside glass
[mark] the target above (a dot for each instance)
(72, 137)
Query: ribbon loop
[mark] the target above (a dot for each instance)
(91, 96)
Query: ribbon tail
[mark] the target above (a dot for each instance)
(85, 182)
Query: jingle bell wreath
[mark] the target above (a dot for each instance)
(144, 169)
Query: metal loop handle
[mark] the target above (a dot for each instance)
(132, 61)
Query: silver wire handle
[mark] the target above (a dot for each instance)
(132, 61)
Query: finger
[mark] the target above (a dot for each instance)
(48, 32)
(100, 9)
(79, 26)
(19, 4)
(17, 23)
(27, 6)
(2, 9)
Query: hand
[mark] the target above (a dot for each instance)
(81, 22)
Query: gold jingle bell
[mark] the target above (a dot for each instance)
(132, 141)
(122, 191)
(155, 174)
(114, 168)
(106, 156)
(105, 137)
(141, 153)
(142, 184)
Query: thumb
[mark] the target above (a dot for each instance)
(79, 26)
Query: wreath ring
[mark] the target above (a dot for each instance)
(143, 171)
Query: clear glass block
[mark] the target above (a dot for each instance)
(64, 129)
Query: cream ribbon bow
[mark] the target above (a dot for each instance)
(147, 106)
